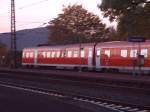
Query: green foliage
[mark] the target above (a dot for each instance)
(132, 16)
(74, 25)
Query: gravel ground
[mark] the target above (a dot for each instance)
(101, 92)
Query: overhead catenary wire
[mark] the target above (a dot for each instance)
(27, 23)
(33, 21)
(26, 6)
(30, 5)
(29, 30)
(32, 29)
(4, 14)
(41, 25)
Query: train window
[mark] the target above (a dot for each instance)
(82, 53)
(31, 54)
(58, 54)
(63, 54)
(124, 53)
(107, 53)
(69, 54)
(133, 53)
(144, 52)
(27, 55)
(48, 54)
(44, 54)
(75, 54)
(90, 53)
(23, 55)
(53, 54)
(98, 52)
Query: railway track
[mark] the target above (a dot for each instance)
(67, 81)
(67, 75)
(110, 104)
(113, 104)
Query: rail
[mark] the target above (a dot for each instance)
(111, 104)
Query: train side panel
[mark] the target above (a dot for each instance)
(69, 55)
(28, 55)
(124, 55)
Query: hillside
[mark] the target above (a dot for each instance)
(27, 38)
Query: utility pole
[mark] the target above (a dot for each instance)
(13, 34)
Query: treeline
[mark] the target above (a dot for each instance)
(77, 25)
(3, 54)
(133, 17)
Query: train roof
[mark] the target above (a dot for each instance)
(122, 44)
(62, 46)
(100, 44)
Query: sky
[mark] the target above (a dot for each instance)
(36, 13)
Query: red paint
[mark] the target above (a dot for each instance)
(115, 58)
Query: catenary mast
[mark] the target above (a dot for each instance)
(13, 34)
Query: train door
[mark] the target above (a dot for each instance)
(98, 60)
(90, 55)
(35, 56)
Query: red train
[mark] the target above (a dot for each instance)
(116, 55)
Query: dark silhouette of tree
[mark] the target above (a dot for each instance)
(76, 25)
(2, 49)
(132, 16)
(3, 54)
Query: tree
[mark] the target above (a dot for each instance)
(74, 25)
(2, 49)
(3, 53)
(111, 34)
(132, 16)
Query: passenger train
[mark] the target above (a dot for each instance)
(115, 55)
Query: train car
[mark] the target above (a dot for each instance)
(77, 55)
(116, 55)
(123, 56)
(28, 56)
